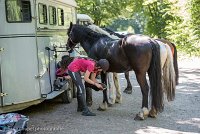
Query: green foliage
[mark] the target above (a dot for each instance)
(157, 13)
(123, 24)
(195, 25)
(102, 11)
(181, 31)
(195, 15)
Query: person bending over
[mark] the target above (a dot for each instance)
(90, 68)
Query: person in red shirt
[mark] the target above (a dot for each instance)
(90, 68)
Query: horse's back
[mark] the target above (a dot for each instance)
(138, 49)
(170, 44)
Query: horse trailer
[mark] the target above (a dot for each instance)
(33, 36)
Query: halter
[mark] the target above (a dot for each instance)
(72, 41)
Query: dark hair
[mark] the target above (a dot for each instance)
(66, 60)
(103, 64)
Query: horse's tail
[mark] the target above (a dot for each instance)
(175, 63)
(169, 75)
(155, 74)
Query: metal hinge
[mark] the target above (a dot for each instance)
(1, 49)
(3, 94)
(38, 76)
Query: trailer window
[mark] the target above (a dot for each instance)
(52, 15)
(18, 11)
(60, 17)
(42, 10)
(69, 16)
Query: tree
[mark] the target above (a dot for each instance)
(195, 15)
(156, 13)
(102, 11)
(182, 31)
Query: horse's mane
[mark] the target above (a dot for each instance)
(88, 32)
(101, 31)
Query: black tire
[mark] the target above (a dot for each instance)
(67, 95)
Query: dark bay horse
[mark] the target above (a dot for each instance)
(172, 46)
(135, 52)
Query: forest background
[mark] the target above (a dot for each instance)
(175, 20)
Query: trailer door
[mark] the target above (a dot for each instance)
(19, 63)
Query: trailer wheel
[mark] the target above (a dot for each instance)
(67, 95)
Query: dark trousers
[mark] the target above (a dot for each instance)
(76, 77)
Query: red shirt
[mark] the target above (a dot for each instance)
(82, 65)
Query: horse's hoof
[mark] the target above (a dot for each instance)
(110, 105)
(152, 113)
(118, 101)
(139, 118)
(127, 91)
(101, 109)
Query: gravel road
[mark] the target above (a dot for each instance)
(182, 116)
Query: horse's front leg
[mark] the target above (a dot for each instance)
(104, 105)
(128, 89)
(143, 114)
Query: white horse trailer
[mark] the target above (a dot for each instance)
(33, 34)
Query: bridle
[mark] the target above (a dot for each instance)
(74, 43)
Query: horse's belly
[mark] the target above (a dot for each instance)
(118, 67)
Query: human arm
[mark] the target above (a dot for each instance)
(92, 81)
(93, 77)
(62, 73)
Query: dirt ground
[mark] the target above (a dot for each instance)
(182, 116)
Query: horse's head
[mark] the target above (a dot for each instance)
(83, 35)
(72, 37)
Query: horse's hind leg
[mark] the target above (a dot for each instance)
(128, 89)
(143, 114)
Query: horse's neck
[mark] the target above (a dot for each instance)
(96, 48)
(87, 46)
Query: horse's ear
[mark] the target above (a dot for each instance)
(71, 24)
(70, 27)
(120, 42)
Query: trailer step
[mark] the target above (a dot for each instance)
(53, 94)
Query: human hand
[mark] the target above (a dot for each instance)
(103, 85)
(67, 77)
(98, 85)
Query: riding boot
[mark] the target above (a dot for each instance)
(86, 111)
(80, 105)
(88, 96)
